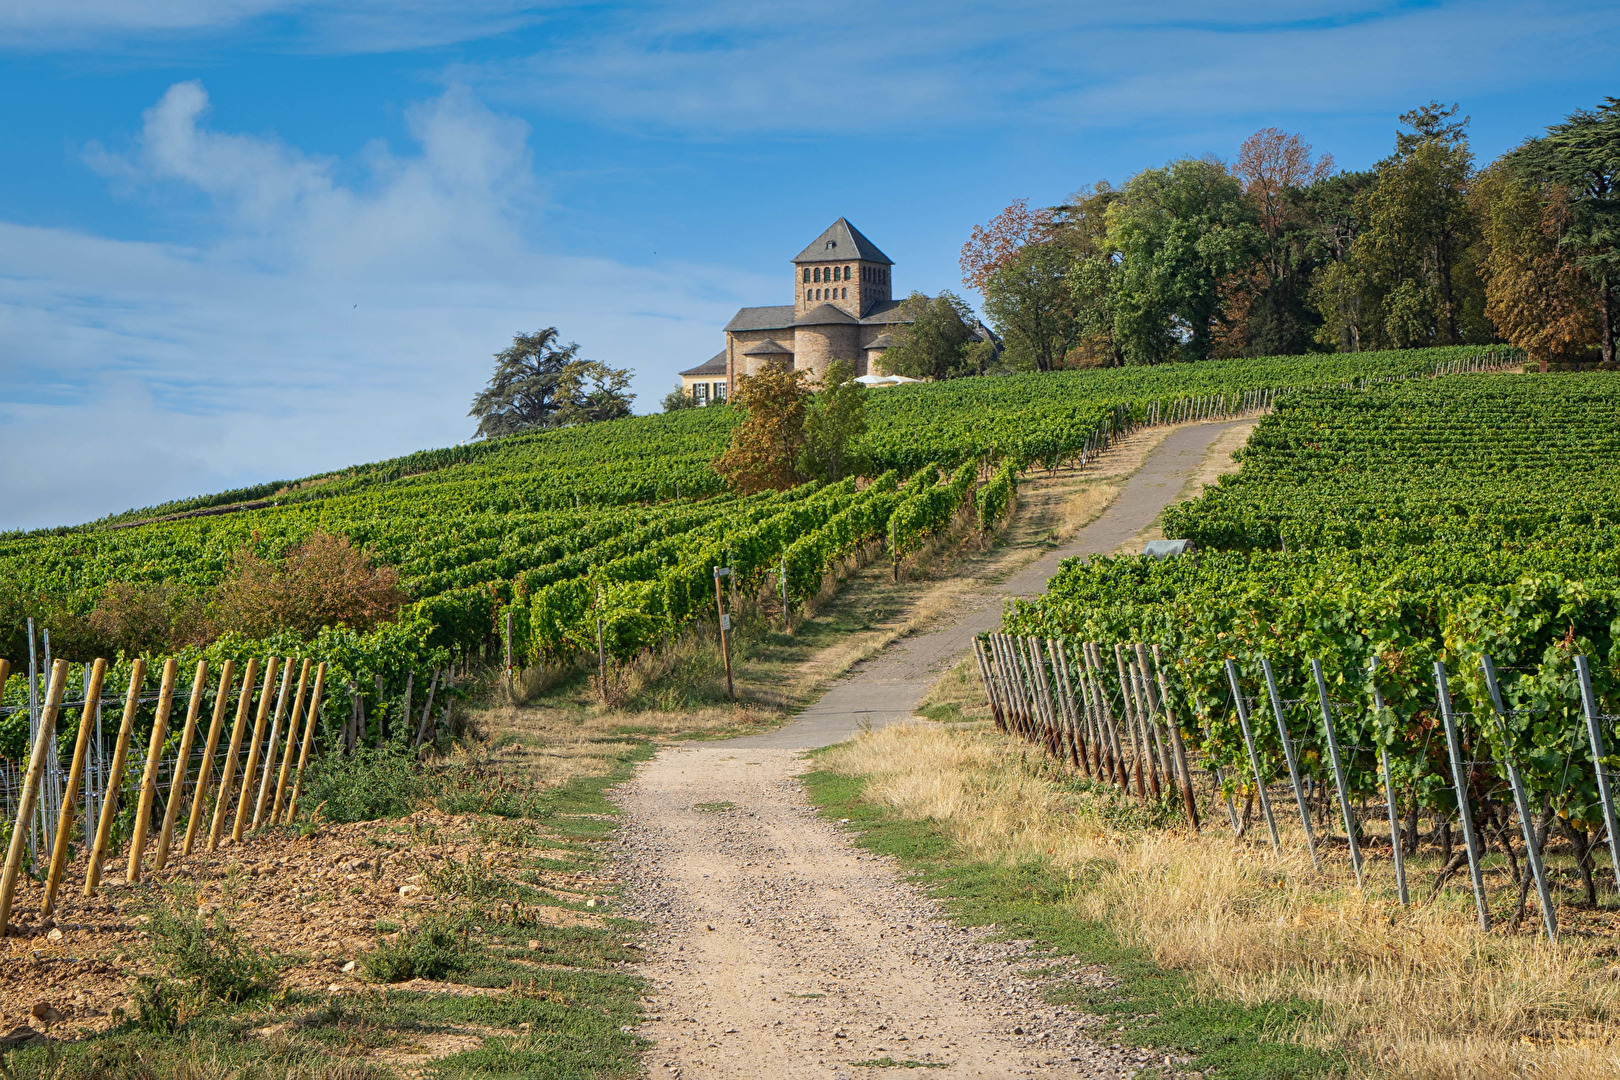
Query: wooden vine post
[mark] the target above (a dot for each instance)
(182, 762)
(725, 627)
(248, 770)
(115, 777)
(64, 824)
(206, 771)
(244, 704)
(262, 802)
(299, 704)
(30, 790)
(154, 752)
(309, 739)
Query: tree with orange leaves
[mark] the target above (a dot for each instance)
(992, 246)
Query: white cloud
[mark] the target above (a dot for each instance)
(322, 324)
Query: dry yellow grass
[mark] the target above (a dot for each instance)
(1419, 993)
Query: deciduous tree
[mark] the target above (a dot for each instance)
(1029, 302)
(993, 245)
(767, 447)
(937, 341)
(833, 422)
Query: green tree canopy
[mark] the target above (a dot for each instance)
(1179, 231)
(540, 384)
(767, 448)
(937, 342)
(1582, 154)
(834, 421)
(1029, 302)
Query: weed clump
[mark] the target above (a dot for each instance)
(369, 784)
(212, 957)
(433, 951)
(478, 789)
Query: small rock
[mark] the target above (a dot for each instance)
(348, 969)
(591, 902)
(334, 989)
(54, 935)
(46, 1013)
(534, 945)
(409, 890)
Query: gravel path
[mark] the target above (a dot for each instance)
(779, 949)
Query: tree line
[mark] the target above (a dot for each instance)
(1279, 253)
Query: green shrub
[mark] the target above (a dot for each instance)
(212, 958)
(369, 784)
(431, 951)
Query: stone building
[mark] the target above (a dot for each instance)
(843, 309)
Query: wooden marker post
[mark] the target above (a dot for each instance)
(87, 721)
(30, 791)
(427, 710)
(309, 739)
(154, 752)
(244, 797)
(299, 704)
(115, 777)
(182, 762)
(1177, 747)
(725, 627)
(245, 703)
(269, 756)
(206, 771)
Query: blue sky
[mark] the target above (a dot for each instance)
(254, 239)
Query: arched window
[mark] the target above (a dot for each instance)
(846, 273)
(846, 294)
(807, 275)
(817, 276)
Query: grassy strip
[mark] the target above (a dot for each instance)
(1147, 1005)
(567, 1009)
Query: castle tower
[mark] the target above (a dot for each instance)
(842, 268)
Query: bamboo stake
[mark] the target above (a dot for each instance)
(989, 686)
(292, 742)
(309, 739)
(1071, 710)
(1134, 722)
(243, 706)
(269, 762)
(115, 777)
(206, 772)
(30, 791)
(154, 752)
(182, 762)
(87, 720)
(251, 768)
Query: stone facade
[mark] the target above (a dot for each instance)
(843, 309)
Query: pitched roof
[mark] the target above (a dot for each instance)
(823, 315)
(846, 242)
(714, 365)
(768, 347)
(773, 317)
(884, 313)
(882, 341)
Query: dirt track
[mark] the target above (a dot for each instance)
(780, 949)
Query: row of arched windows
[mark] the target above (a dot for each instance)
(831, 273)
(877, 275)
(826, 294)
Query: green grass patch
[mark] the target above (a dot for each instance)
(1148, 1006)
(714, 807)
(890, 1063)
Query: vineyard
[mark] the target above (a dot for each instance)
(1405, 593)
(609, 533)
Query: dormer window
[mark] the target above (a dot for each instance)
(831, 244)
